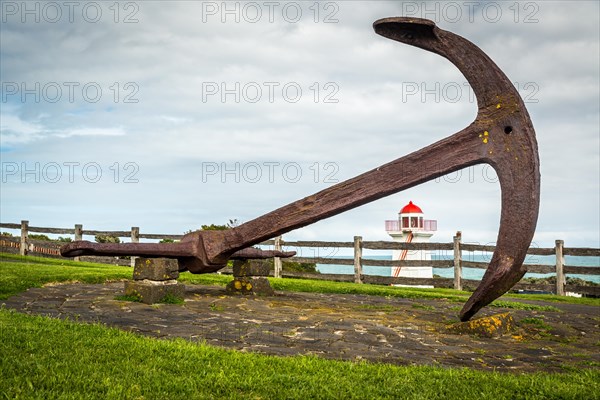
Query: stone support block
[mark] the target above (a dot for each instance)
(257, 285)
(155, 269)
(151, 292)
(250, 268)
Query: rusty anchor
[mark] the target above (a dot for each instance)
(501, 135)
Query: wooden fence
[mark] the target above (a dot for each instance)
(456, 247)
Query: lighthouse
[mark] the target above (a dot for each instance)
(411, 227)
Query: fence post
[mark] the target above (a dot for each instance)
(78, 236)
(357, 259)
(277, 260)
(24, 234)
(135, 238)
(457, 261)
(560, 262)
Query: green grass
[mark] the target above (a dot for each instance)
(214, 307)
(538, 323)
(522, 306)
(172, 299)
(557, 299)
(42, 358)
(45, 358)
(129, 297)
(21, 273)
(423, 306)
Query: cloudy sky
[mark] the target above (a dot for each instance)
(172, 115)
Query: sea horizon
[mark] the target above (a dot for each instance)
(467, 273)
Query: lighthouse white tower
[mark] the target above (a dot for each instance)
(411, 227)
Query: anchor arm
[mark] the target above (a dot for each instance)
(509, 139)
(502, 136)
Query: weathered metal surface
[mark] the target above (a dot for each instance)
(501, 135)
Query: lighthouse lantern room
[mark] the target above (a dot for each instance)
(411, 227)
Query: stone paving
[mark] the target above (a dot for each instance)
(335, 326)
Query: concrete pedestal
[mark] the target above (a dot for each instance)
(151, 292)
(154, 279)
(250, 278)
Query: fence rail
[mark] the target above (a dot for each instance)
(26, 245)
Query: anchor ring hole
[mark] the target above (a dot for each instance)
(508, 129)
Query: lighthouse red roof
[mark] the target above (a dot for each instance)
(411, 208)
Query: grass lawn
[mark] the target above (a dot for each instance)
(48, 358)
(18, 273)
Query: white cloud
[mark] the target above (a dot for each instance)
(154, 111)
(14, 130)
(91, 132)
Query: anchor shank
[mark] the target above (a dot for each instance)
(446, 156)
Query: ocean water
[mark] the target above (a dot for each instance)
(467, 273)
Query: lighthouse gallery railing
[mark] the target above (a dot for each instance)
(394, 225)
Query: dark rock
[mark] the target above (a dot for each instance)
(492, 326)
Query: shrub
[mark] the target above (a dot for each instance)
(39, 237)
(107, 239)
